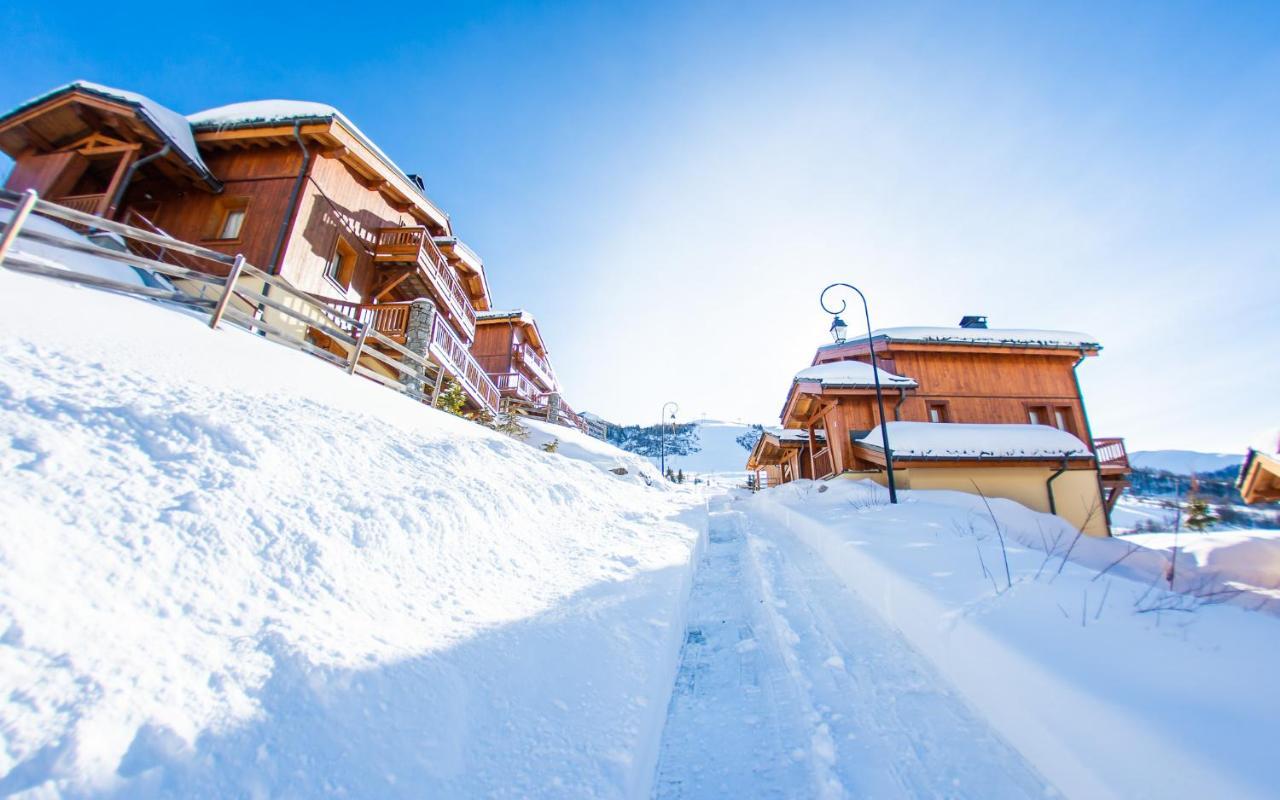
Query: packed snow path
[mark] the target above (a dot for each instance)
(790, 687)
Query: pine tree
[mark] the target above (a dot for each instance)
(452, 399)
(680, 476)
(552, 446)
(1199, 517)
(671, 476)
(508, 424)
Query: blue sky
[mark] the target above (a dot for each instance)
(667, 187)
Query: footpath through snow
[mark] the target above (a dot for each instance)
(229, 570)
(790, 686)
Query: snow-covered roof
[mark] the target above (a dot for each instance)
(851, 375)
(258, 113)
(171, 126)
(1006, 337)
(795, 434)
(515, 314)
(961, 440)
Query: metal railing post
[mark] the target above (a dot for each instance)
(20, 214)
(220, 308)
(365, 327)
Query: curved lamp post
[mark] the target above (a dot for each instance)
(838, 331)
(662, 426)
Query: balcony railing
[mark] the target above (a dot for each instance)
(446, 346)
(1111, 455)
(415, 246)
(535, 361)
(389, 319)
(88, 203)
(518, 384)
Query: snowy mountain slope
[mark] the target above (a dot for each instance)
(1185, 462)
(228, 569)
(717, 450)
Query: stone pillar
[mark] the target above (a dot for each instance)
(553, 407)
(417, 339)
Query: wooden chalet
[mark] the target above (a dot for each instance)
(295, 187)
(969, 375)
(1259, 480)
(510, 347)
(781, 456)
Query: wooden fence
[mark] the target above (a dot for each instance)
(230, 289)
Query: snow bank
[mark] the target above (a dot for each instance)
(851, 375)
(969, 440)
(572, 443)
(1110, 686)
(228, 569)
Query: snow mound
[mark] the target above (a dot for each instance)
(850, 374)
(229, 569)
(572, 443)
(970, 440)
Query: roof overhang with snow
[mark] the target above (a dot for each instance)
(518, 317)
(924, 443)
(998, 339)
(820, 384)
(57, 119)
(470, 268)
(775, 445)
(1259, 480)
(276, 121)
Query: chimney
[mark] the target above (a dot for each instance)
(973, 322)
(417, 181)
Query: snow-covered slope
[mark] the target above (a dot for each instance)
(1185, 462)
(718, 451)
(229, 570)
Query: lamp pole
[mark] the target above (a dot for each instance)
(662, 427)
(838, 329)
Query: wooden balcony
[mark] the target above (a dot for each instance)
(95, 204)
(516, 384)
(1112, 457)
(538, 365)
(430, 273)
(822, 464)
(449, 349)
(389, 319)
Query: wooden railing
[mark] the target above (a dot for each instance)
(533, 359)
(415, 245)
(518, 384)
(229, 288)
(475, 381)
(1111, 455)
(543, 408)
(389, 319)
(822, 467)
(85, 203)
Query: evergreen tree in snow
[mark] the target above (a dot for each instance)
(748, 439)
(1199, 517)
(509, 425)
(680, 476)
(452, 399)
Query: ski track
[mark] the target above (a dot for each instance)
(790, 687)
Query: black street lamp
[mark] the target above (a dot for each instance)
(662, 425)
(838, 331)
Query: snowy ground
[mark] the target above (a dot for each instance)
(1107, 684)
(790, 686)
(230, 570)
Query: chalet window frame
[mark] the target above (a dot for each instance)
(226, 207)
(943, 406)
(341, 248)
(1034, 408)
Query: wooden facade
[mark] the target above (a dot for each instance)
(295, 188)
(977, 377)
(1259, 480)
(510, 347)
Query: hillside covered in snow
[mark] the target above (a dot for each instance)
(228, 569)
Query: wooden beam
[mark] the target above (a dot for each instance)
(393, 280)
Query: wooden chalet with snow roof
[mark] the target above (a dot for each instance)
(295, 187)
(510, 347)
(965, 406)
(1259, 479)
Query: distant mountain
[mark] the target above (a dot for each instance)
(1184, 462)
(701, 446)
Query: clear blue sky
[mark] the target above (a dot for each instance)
(668, 186)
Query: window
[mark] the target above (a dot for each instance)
(1061, 417)
(229, 220)
(1039, 415)
(939, 412)
(342, 265)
